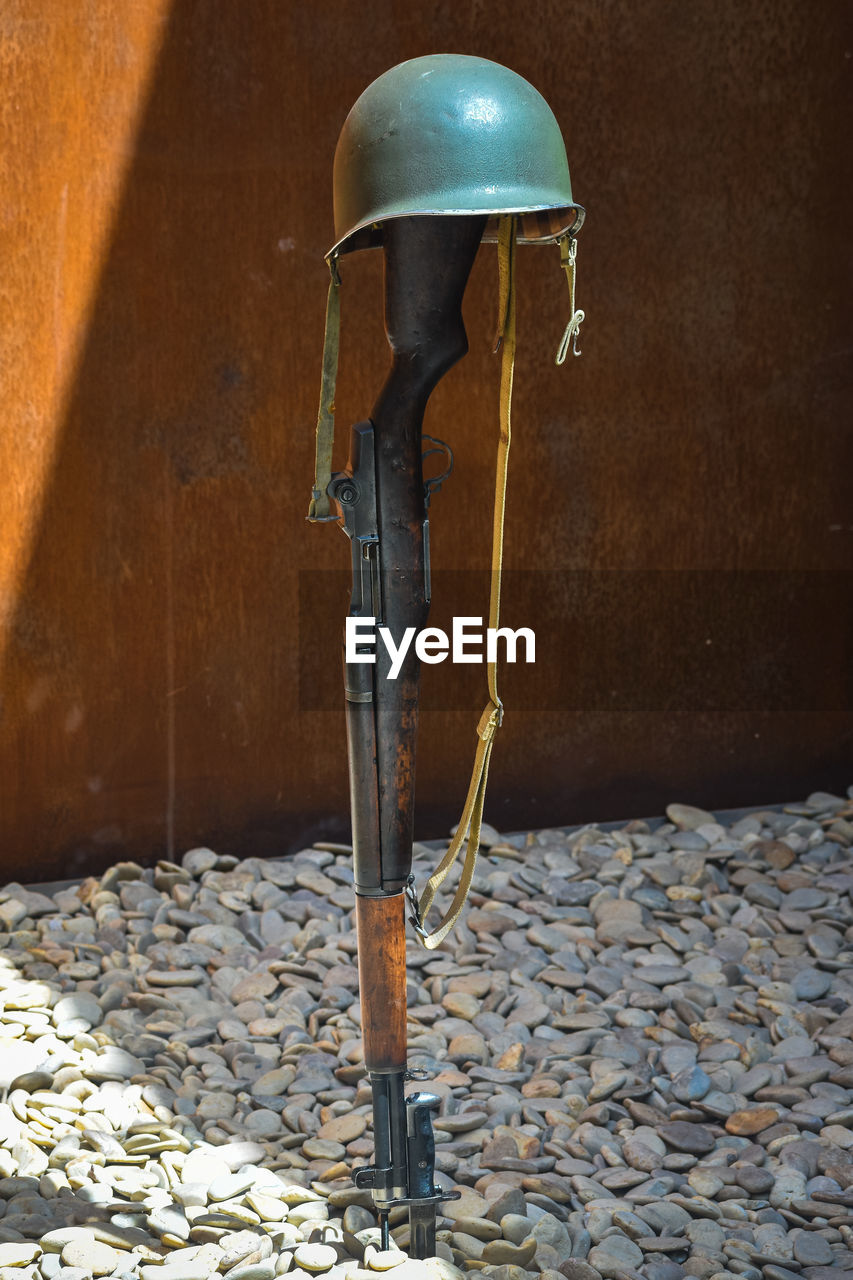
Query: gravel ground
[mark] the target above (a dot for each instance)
(641, 1038)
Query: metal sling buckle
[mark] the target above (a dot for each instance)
(415, 918)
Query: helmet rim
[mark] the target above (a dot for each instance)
(451, 135)
(355, 239)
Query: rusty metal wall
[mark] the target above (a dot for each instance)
(679, 523)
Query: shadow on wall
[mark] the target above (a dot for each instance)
(151, 637)
(150, 670)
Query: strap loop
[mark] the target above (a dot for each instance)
(491, 719)
(568, 254)
(320, 507)
(470, 824)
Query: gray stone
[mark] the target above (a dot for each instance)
(688, 817)
(510, 1201)
(758, 1182)
(82, 1006)
(811, 1249)
(788, 1185)
(811, 984)
(614, 1254)
(683, 1136)
(197, 861)
(664, 1217)
(356, 1218)
(703, 1231)
(578, 1269)
(691, 1084)
(515, 1227)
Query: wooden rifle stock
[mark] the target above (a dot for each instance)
(381, 928)
(381, 500)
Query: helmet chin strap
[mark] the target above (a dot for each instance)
(568, 254)
(320, 507)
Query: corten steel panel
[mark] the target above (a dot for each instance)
(682, 491)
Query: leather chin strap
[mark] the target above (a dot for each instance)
(320, 508)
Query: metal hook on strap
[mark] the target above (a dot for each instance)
(568, 256)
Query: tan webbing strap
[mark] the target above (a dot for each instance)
(472, 814)
(320, 508)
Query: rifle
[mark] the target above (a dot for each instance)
(380, 498)
(469, 140)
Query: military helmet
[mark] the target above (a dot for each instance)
(455, 135)
(451, 134)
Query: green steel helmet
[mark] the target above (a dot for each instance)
(451, 134)
(455, 135)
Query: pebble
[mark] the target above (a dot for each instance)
(191, 1269)
(691, 1084)
(93, 1257)
(345, 1128)
(812, 1250)
(578, 1269)
(752, 1120)
(386, 1260)
(499, 1251)
(684, 1136)
(757, 1182)
(688, 818)
(315, 1257)
(18, 1255)
(229, 1185)
(614, 1254)
(640, 1039)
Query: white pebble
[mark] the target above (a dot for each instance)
(315, 1257)
(18, 1254)
(98, 1259)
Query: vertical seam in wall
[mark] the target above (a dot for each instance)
(168, 530)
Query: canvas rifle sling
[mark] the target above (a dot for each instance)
(491, 719)
(468, 831)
